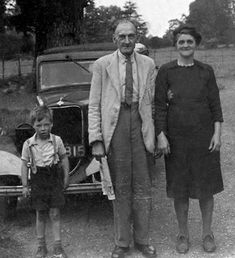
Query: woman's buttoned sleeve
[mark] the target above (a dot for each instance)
(214, 98)
(160, 100)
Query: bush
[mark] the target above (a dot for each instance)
(10, 45)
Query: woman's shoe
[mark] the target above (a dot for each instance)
(41, 252)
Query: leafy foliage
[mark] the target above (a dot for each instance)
(99, 22)
(10, 45)
(55, 23)
(214, 19)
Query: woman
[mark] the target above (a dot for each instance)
(188, 127)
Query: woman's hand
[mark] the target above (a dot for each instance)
(163, 144)
(215, 140)
(215, 143)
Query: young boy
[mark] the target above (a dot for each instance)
(46, 156)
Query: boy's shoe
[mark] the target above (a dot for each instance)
(209, 243)
(59, 252)
(41, 252)
(182, 244)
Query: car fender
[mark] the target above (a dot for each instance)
(10, 164)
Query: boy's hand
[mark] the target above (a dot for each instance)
(25, 191)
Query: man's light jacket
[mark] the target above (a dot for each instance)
(105, 99)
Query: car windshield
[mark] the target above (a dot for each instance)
(64, 73)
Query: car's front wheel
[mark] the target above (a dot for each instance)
(8, 204)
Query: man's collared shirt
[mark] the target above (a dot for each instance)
(43, 155)
(122, 76)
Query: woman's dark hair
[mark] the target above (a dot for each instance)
(186, 29)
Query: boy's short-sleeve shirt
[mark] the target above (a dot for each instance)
(44, 155)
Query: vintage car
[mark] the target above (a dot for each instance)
(63, 78)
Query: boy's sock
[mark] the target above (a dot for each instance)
(57, 243)
(41, 241)
(58, 250)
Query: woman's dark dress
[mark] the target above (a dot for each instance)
(188, 121)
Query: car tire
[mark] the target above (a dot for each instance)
(8, 204)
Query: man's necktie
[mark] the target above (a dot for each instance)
(129, 82)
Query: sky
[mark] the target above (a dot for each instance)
(156, 13)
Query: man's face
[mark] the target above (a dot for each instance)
(125, 38)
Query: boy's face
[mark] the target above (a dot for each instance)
(43, 128)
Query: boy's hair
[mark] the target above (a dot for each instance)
(39, 113)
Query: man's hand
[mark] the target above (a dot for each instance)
(25, 191)
(215, 143)
(162, 144)
(98, 150)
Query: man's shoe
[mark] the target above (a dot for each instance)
(41, 252)
(182, 244)
(209, 243)
(59, 252)
(119, 252)
(147, 250)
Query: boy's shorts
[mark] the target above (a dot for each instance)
(47, 188)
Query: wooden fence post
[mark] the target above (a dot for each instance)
(19, 65)
(3, 66)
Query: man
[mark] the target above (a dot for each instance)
(121, 127)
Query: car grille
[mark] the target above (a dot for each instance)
(67, 123)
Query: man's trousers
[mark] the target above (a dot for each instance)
(129, 167)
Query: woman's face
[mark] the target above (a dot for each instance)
(186, 45)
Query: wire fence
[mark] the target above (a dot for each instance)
(222, 60)
(20, 65)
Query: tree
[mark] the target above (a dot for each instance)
(99, 22)
(55, 23)
(130, 11)
(213, 18)
(173, 24)
(2, 14)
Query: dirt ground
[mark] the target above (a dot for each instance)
(87, 223)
